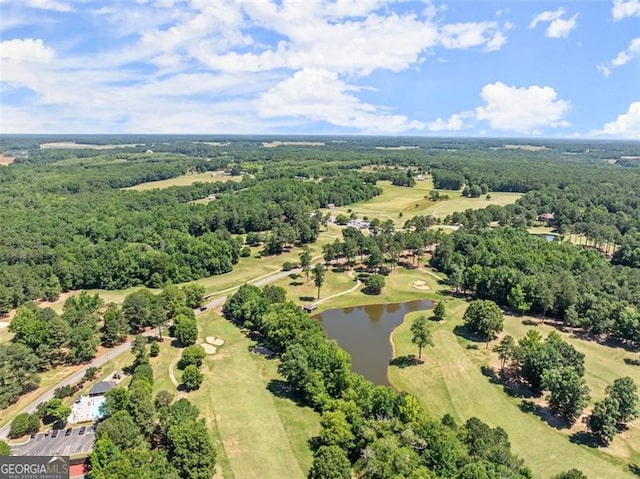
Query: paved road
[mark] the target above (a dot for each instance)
(118, 350)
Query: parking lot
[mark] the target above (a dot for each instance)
(44, 444)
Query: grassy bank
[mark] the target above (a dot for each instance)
(451, 381)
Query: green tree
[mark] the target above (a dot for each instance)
(305, 261)
(625, 392)
(24, 423)
(274, 294)
(178, 412)
(154, 349)
(603, 419)
(57, 411)
(374, 284)
(192, 377)
(141, 406)
(569, 392)
(439, 311)
(162, 400)
(571, 474)
(190, 450)
(193, 354)
(516, 299)
(185, 330)
(318, 277)
(122, 430)
(421, 333)
(5, 450)
(505, 349)
(336, 430)
(114, 327)
(116, 400)
(139, 349)
(193, 295)
(484, 317)
(330, 462)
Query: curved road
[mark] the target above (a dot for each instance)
(118, 350)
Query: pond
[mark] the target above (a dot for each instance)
(364, 332)
(547, 237)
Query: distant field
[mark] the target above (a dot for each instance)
(6, 160)
(451, 381)
(400, 203)
(185, 180)
(72, 145)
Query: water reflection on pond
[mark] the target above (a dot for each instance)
(364, 332)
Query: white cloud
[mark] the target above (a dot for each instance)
(625, 8)
(472, 34)
(626, 125)
(455, 122)
(523, 110)
(625, 56)
(54, 5)
(27, 50)
(319, 95)
(622, 58)
(558, 27)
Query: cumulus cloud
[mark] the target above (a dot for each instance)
(455, 122)
(27, 50)
(558, 27)
(626, 125)
(523, 110)
(319, 95)
(625, 8)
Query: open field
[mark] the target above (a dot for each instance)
(72, 145)
(185, 180)
(258, 433)
(450, 380)
(6, 160)
(410, 202)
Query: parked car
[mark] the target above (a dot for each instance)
(55, 433)
(68, 432)
(82, 430)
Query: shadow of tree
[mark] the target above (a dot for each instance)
(545, 414)
(585, 438)
(283, 389)
(468, 334)
(635, 469)
(306, 299)
(296, 283)
(406, 361)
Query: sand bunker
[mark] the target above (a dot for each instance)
(215, 341)
(421, 285)
(208, 348)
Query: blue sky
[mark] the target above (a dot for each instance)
(473, 68)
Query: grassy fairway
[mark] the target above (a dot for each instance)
(410, 202)
(451, 381)
(257, 432)
(185, 180)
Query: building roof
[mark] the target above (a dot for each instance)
(310, 307)
(102, 387)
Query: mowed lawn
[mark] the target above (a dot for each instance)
(257, 432)
(185, 180)
(451, 381)
(400, 203)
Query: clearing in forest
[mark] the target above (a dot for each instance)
(186, 180)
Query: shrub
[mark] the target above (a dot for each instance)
(24, 423)
(374, 284)
(288, 266)
(245, 252)
(192, 355)
(192, 378)
(154, 350)
(64, 391)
